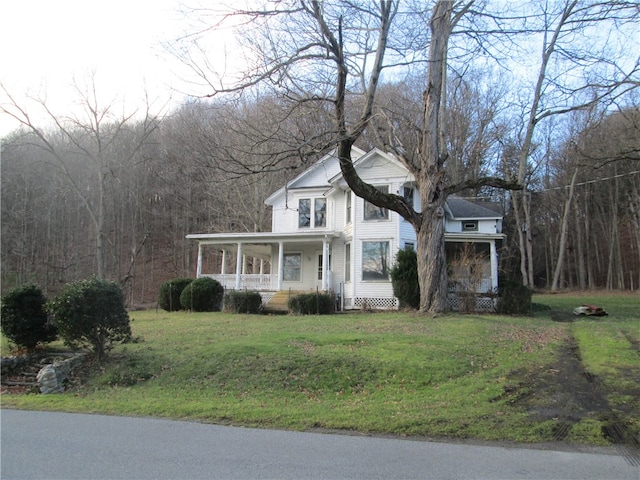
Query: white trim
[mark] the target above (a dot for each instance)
(494, 264)
(280, 264)
(199, 266)
(316, 235)
(239, 267)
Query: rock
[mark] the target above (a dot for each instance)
(51, 377)
(48, 380)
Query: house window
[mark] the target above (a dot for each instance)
(407, 194)
(409, 246)
(320, 212)
(371, 212)
(469, 225)
(347, 262)
(292, 267)
(304, 212)
(375, 261)
(348, 203)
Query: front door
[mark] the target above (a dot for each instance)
(318, 270)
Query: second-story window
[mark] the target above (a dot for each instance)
(319, 217)
(320, 212)
(407, 193)
(372, 212)
(348, 203)
(304, 212)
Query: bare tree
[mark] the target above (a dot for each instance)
(577, 35)
(329, 51)
(88, 151)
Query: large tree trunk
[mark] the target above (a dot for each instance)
(432, 263)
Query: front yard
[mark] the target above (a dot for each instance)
(549, 377)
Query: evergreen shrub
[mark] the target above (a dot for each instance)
(24, 318)
(243, 302)
(169, 294)
(514, 298)
(404, 279)
(91, 313)
(202, 295)
(312, 304)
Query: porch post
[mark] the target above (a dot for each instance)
(325, 264)
(239, 267)
(261, 266)
(199, 267)
(244, 264)
(223, 270)
(280, 264)
(494, 264)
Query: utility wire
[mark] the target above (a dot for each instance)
(592, 181)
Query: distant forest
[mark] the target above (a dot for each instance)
(115, 196)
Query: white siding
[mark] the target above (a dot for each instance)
(375, 230)
(407, 233)
(337, 264)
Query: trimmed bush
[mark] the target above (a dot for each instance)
(169, 294)
(24, 319)
(242, 302)
(404, 279)
(91, 313)
(514, 298)
(312, 304)
(202, 295)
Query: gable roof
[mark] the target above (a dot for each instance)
(471, 208)
(329, 163)
(369, 157)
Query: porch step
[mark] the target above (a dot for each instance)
(279, 303)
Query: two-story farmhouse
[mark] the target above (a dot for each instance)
(325, 238)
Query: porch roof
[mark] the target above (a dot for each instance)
(258, 244)
(262, 237)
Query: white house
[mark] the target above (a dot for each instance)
(323, 237)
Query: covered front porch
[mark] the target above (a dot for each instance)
(473, 272)
(267, 262)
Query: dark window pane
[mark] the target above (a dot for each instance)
(304, 212)
(320, 212)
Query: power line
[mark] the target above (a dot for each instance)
(592, 181)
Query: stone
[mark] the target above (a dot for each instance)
(48, 380)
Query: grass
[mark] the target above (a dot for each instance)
(393, 373)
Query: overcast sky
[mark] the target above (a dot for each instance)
(47, 44)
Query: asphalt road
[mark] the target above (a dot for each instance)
(39, 445)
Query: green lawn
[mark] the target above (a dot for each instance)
(397, 373)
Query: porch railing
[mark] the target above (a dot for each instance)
(465, 284)
(248, 281)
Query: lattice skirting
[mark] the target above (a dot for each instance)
(482, 304)
(376, 303)
(266, 297)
